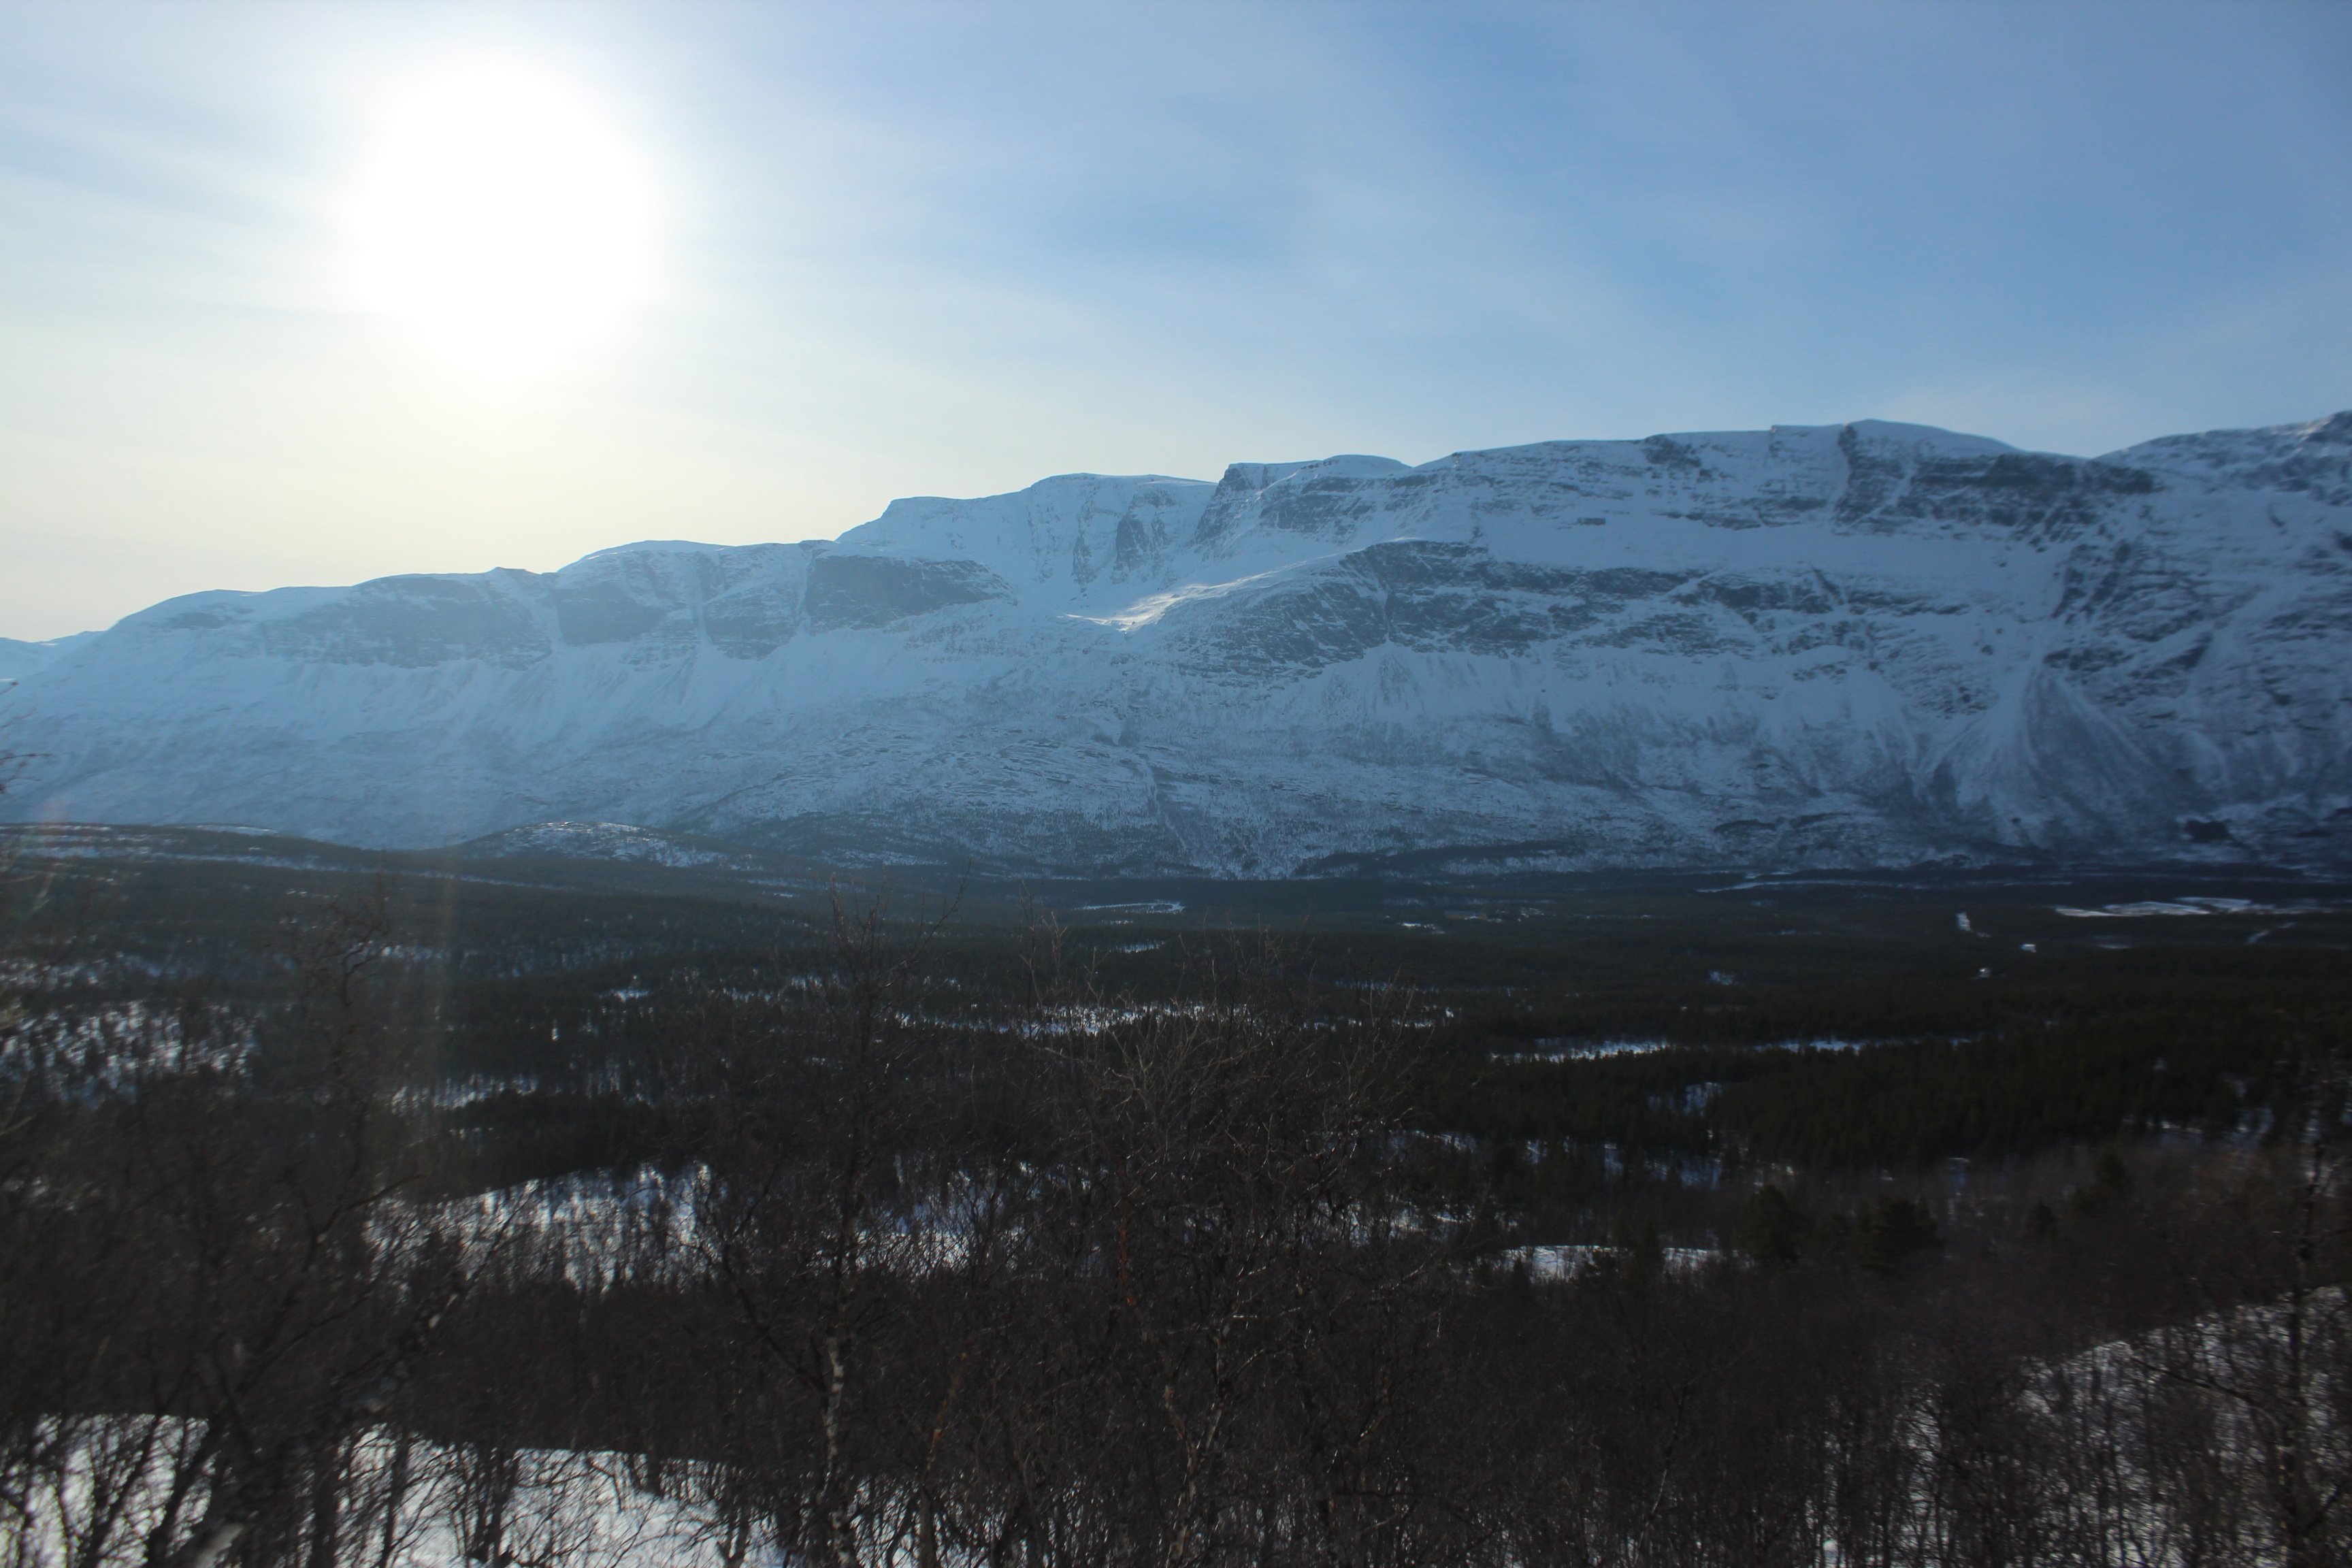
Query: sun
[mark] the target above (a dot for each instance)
(501, 217)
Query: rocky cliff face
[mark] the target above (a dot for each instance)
(1854, 644)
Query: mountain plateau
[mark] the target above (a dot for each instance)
(1869, 644)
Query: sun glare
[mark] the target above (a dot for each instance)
(501, 218)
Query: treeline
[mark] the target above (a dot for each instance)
(1896, 1103)
(2206, 1043)
(121, 924)
(878, 1272)
(1891, 989)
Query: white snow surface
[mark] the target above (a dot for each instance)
(1839, 645)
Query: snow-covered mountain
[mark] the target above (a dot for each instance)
(1861, 644)
(21, 659)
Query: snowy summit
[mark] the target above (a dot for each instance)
(1861, 644)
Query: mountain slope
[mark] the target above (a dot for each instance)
(1853, 643)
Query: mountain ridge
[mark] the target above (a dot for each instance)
(1868, 644)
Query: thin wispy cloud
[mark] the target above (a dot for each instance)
(948, 249)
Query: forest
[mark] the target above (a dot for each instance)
(396, 1217)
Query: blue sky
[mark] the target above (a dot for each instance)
(950, 249)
